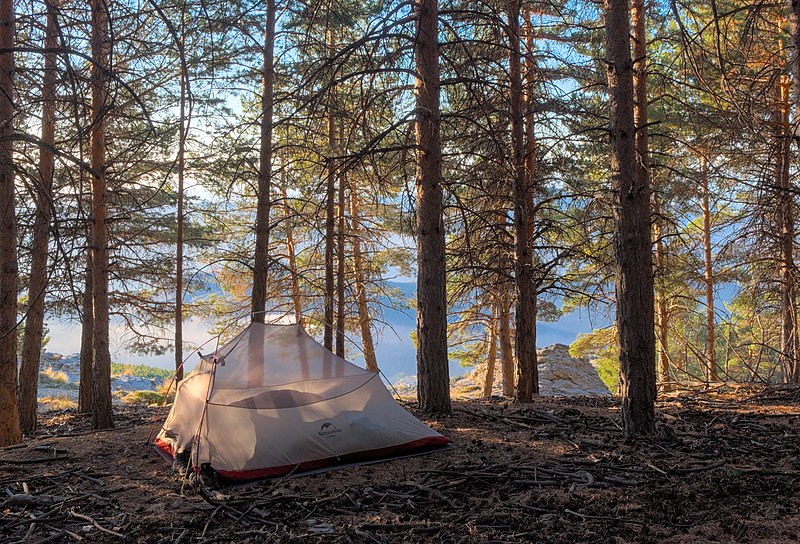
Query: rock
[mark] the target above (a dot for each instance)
(560, 375)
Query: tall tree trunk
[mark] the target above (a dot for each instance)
(9, 278)
(530, 104)
(330, 216)
(101, 49)
(37, 286)
(433, 372)
(87, 338)
(528, 384)
(530, 168)
(708, 276)
(639, 46)
(262, 260)
(506, 347)
(790, 350)
(364, 321)
(297, 303)
(341, 236)
(182, 122)
(662, 317)
(790, 341)
(632, 243)
(491, 358)
(640, 100)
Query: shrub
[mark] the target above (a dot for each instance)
(50, 377)
(149, 397)
(58, 402)
(141, 371)
(600, 346)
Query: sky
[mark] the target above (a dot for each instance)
(394, 349)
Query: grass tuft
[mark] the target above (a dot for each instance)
(140, 371)
(58, 402)
(147, 397)
(55, 378)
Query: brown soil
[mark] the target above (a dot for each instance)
(721, 470)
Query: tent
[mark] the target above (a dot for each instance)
(273, 401)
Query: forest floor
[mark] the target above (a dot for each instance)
(722, 469)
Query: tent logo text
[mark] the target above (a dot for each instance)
(328, 430)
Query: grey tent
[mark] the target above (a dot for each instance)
(273, 401)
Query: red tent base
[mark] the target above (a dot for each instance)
(422, 446)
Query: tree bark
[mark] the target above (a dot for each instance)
(662, 316)
(364, 321)
(790, 342)
(341, 236)
(632, 242)
(639, 46)
(182, 122)
(640, 101)
(87, 339)
(525, 320)
(9, 278)
(101, 394)
(790, 349)
(708, 276)
(530, 105)
(37, 286)
(491, 358)
(433, 372)
(330, 218)
(530, 169)
(262, 260)
(290, 252)
(506, 344)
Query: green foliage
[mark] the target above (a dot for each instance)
(600, 346)
(141, 371)
(21, 330)
(146, 398)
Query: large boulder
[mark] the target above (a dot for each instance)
(560, 375)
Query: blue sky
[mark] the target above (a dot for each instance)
(394, 349)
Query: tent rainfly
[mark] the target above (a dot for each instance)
(273, 401)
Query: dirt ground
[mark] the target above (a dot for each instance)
(721, 470)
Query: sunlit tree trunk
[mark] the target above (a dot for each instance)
(330, 219)
(530, 169)
(291, 255)
(364, 321)
(433, 372)
(262, 258)
(632, 242)
(101, 50)
(9, 278)
(37, 285)
(639, 47)
(662, 317)
(790, 344)
(491, 357)
(341, 236)
(708, 276)
(506, 344)
(790, 341)
(522, 196)
(87, 339)
(182, 122)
